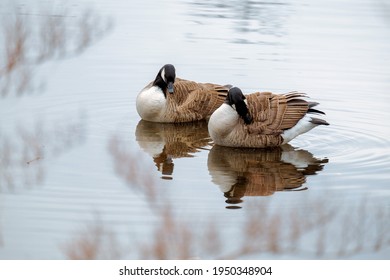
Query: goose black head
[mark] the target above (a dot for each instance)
(165, 78)
(236, 99)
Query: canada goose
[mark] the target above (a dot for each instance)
(262, 119)
(169, 99)
(166, 142)
(240, 172)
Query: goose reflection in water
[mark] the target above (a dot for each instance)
(260, 172)
(167, 141)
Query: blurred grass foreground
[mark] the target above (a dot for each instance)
(267, 231)
(30, 37)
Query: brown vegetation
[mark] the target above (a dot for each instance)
(318, 228)
(28, 38)
(32, 38)
(95, 241)
(23, 152)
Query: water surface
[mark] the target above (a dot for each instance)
(79, 169)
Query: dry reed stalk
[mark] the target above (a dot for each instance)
(93, 243)
(31, 39)
(266, 230)
(133, 169)
(25, 151)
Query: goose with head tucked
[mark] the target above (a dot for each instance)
(262, 119)
(169, 99)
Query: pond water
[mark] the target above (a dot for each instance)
(81, 176)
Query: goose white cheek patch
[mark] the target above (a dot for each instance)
(163, 75)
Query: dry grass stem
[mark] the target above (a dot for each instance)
(133, 169)
(93, 243)
(25, 151)
(309, 230)
(34, 37)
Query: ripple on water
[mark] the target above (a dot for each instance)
(106, 113)
(361, 152)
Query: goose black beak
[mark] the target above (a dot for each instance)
(170, 87)
(248, 118)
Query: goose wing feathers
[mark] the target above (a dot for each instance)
(198, 100)
(273, 113)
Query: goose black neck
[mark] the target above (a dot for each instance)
(161, 84)
(243, 112)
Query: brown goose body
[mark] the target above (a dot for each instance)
(241, 172)
(185, 101)
(263, 119)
